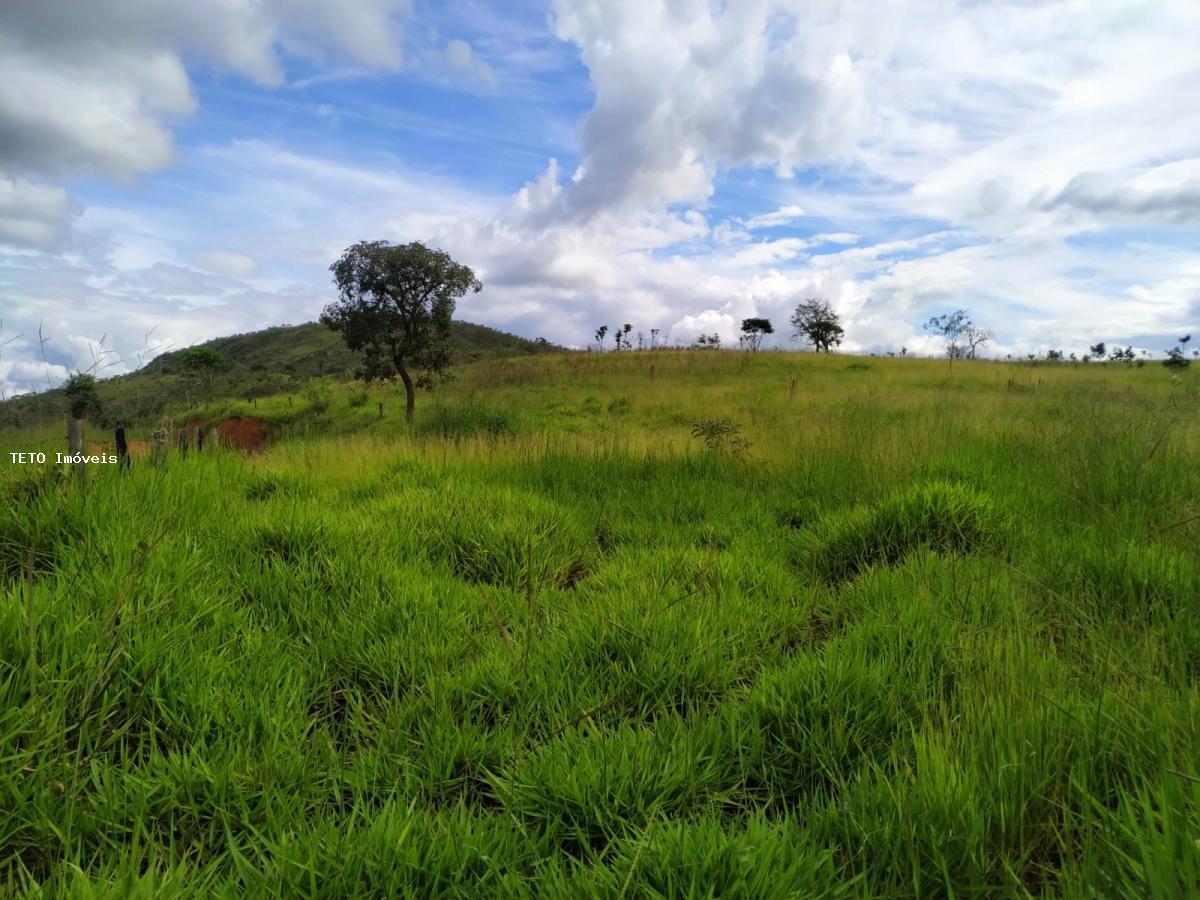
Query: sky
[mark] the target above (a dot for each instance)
(174, 172)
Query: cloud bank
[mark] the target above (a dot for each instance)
(1037, 164)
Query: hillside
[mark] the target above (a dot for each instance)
(657, 624)
(274, 360)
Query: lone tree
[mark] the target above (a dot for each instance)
(754, 330)
(396, 304)
(600, 333)
(816, 322)
(1098, 350)
(202, 362)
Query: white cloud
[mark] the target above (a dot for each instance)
(462, 59)
(781, 216)
(33, 214)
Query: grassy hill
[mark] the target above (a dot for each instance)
(657, 624)
(260, 363)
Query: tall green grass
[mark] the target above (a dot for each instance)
(930, 635)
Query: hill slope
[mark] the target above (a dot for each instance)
(657, 624)
(257, 363)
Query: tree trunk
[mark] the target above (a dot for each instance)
(410, 392)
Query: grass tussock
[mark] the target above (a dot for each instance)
(942, 516)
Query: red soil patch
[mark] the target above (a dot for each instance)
(241, 434)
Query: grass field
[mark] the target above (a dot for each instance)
(901, 629)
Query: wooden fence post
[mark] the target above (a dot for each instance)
(75, 443)
(122, 448)
(158, 446)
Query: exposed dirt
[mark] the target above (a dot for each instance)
(241, 434)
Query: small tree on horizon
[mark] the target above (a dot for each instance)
(621, 336)
(815, 321)
(754, 330)
(962, 336)
(600, 334)
(397, 304)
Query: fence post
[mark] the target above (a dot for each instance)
(381, 409)
(122, 448)
(75, 443)
(158, 446)
(198, 437)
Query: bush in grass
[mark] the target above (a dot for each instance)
(468, 418)
(319, 396)
(358, 399)
(942, 516)
(721, 437)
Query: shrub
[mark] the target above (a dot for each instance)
(318, 396)
(721, 436)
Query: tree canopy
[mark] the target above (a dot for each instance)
(82, 396)
(396, 303)
(754, 330)
(200, 359)
(816, 322)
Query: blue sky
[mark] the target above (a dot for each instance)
(190, 170)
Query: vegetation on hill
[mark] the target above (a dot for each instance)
(623, 625)
(256, 364)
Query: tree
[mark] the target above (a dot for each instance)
(81, 393)
(1098, 350)
(816, 322)
(201, 362)
(621, 336)
(962, 336)
(976, 337)
(1175, 358)
(708, 341)
(396, 302)
(600, 333)
(754, 330)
